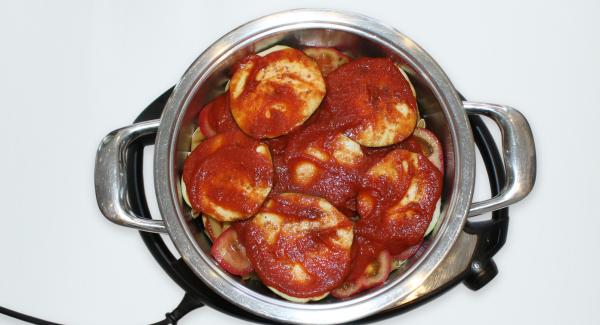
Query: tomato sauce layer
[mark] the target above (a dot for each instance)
(397, 200)
(272, 95)
(375, 100)
(299, 244)
(228, 176)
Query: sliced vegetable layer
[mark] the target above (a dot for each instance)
(375, 98)
(228, 176)
(299, 245)
(216, 117)
(213, 227)
(426, 143)
(398, 200)
(429, 146)
(230, 253)
(327, 58)
(323, 164)
(282, 209)
(273, 94)
(371, 266)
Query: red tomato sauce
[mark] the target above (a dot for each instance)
(325, 263)
(218, 115)
(360, 92)
(253, 101)
(406, 226)
(220, 167)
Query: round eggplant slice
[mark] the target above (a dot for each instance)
(230, 253)
(216, 117)
(229, 176)
(375, 98)
(372, 274)
(299, 245)
(327, 58)
(325, 164)
(272, 95)
(398, 200)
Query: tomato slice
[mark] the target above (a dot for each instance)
(407, 253)
(204, 122)
(376, 272)
(213, 227)
(230, 253)
(216, 117)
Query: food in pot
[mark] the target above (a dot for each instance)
(377, 100)
(213, 228)
(299, 245)
(370, 268)
(397, 199)
(327, 58)
(230, 253)
(272, 95)
(337, 195)
(228, 176)
(216, 117)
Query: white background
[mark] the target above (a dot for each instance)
(70, 72)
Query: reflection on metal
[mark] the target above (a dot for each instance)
(454, 264)
(518, 150)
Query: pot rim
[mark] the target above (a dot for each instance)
(166, 179)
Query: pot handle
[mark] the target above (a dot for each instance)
(110, 176)
(518, 151)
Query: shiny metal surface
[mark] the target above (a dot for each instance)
(360, 35)
(518, 150)
(110, 177)
(454, 264)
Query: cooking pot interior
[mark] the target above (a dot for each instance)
(354, 44)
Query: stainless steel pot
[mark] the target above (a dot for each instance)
(445, 113)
